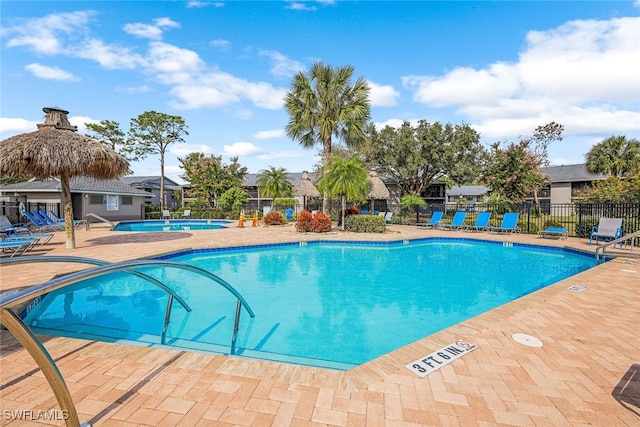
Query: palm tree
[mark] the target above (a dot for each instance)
(274, 182)
(325, 103)
(345, 178)
(615, 155)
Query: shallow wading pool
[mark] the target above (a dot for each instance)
(171, 225)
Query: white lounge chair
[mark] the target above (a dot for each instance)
(186, 214)
(166, 214)
(607, 229)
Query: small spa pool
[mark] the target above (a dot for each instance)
(172, 225)
(320, 303)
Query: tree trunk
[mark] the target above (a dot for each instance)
(326, 156)
(68, 211)
(162, 198)
(344, 207)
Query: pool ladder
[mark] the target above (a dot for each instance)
(36, 349)
(602, 253)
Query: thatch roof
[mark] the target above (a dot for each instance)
(378, 190)
(56, 149)
(305, 187)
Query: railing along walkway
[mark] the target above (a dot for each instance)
(87, 223)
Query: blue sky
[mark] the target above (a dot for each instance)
(503, 67)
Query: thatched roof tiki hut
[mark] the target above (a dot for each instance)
(378, 190)
(304, 189)
(56, 149)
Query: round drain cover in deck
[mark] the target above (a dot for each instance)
(527, 340)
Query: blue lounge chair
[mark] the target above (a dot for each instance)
(57, 221)
(554, 232)
(436, 217)
(509, 224)
(364, 211)
(37, 224)
(481, 224)
(8, 228)
(456, 223)
(13, 248)
(41, 238)
(607, 229)
(289, 214)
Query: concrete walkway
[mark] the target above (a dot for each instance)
(586, 373)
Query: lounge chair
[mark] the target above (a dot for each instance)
(38, 225)
(481, 224)
(388, 218)
(41, 238)
(456, 223)
(289, 214)
(509, 224)
(186, 214)
(166, 214)
(554, 232)
(364, 211)
(55, 221)
(607, 229)
(13, 248)
(8, 228)
(434, 222)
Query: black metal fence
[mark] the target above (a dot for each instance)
(577, 218)
(12, 210)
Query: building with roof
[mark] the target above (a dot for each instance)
(111, 199)
(151, 185)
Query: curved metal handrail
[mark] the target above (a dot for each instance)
(602, 248)
(98, 217)
(34, 347)
(91, 261)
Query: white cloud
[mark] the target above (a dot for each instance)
(394, 123)
(199, 4)
(242, 149)
(268, 134)
(44, 35)
(109, 57)
(220, 44)
(382, 95)
(11, 126)
(282, 65)
(572, 74)
(299, 6)
(148, 31)
(133, 89)
(50, 73)
(184, 149)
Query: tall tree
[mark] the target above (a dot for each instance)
(274, 182)
(152, 133)
(108, 132)
(345, 178)
(325, 103)
(615, 155)
(210, 177)
(413, 157)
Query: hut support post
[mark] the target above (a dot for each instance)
(68, 211)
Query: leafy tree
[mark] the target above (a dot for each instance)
(615, 155)
(345, 178)
(209, 176)
(108, 132)
(152, 133)
(274, 182)
(325, 103)
(234, 198)
(413, 157)
(412, 201)
(613, 190)
(515, 171)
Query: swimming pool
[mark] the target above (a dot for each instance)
(171, 225)
(329, 304)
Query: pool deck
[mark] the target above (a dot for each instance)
(586, 373)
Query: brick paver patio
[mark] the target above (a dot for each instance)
(586, 373)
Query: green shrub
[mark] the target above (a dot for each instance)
(365, 224)
(533, 227)
(274, 218)
(552, 224)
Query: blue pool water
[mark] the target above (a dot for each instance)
(325, 304)
(171, 225)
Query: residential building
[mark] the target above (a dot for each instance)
(151, 185)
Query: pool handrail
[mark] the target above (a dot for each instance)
(34, 346)
(603, 248)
